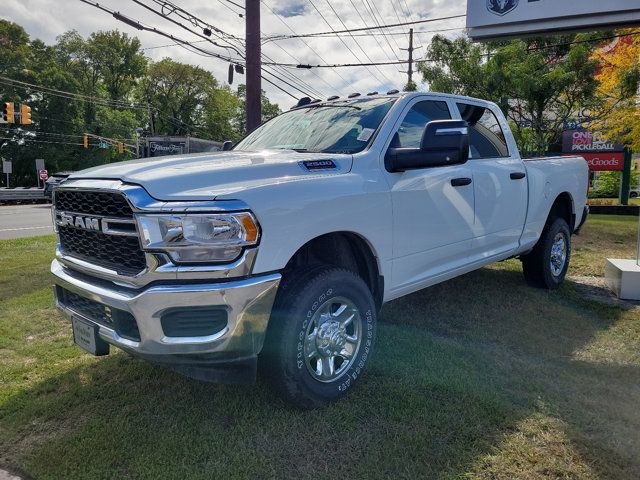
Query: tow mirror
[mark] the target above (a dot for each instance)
(444, 142)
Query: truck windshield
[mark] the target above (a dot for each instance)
(336, 127)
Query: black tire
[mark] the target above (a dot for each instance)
(537, 265)
(301, 298)
(633, 195)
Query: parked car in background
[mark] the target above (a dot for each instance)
(634, 192)
(52, 181)
(283, 249)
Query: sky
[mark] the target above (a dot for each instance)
(47, 19)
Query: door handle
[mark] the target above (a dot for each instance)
(517, 175)
(460, 182)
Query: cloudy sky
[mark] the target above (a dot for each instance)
(46, 19)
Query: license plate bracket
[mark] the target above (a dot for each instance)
(86, 336)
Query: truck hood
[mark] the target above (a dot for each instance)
(209, 175)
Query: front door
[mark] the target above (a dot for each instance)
(433, 208)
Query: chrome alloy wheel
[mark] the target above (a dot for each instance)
(558, 254)
(333, 338)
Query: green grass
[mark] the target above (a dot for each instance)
(480, 377)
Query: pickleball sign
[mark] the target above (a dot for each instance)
(600, 153)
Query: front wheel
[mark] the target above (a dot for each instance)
(321, 335)
(547, 264)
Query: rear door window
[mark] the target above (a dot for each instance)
(486, 138)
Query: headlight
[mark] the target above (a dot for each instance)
(195, 238)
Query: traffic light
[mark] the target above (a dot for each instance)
(85, 141)
(121, 147)
(25, 114)
(8, 114)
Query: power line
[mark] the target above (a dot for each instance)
(375, 37)
(139, 26)
(184, 43)
(588, 40)
(207, 28)
(341, 40)
(355, 41)
(370, 34)
(279, 17)
(363, 29)
(370, 6)
(69, 95)
(198, 22)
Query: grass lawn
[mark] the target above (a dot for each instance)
(480, 377)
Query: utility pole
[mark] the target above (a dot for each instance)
(410, 86)
(252, 55)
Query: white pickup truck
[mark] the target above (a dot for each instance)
(282, 249)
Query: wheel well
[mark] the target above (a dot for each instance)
(563, 208)
(341, 249)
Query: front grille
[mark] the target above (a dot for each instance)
(120, 253)
(124, 323)
(106, 204)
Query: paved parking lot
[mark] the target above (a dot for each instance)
(17, 221)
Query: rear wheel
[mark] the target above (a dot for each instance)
(547, 264)
(320, 336)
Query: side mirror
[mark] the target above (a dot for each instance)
(228, 145)
(444, 142)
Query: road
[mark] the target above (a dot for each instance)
(17, 221)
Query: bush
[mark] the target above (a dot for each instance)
(608, 184)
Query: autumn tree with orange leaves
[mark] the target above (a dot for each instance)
(618, 88)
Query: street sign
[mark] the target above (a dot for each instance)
(7, 168)
(43, 174)
(496, 19)
(39, 163)
(103, 145)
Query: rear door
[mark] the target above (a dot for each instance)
(500, 183)
(432, 207)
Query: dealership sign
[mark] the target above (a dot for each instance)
(494, 19)
(168, 147)
(598, 151)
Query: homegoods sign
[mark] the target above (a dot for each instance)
(599, 152)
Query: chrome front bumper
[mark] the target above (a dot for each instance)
(248, 303)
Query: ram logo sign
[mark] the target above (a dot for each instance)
(85, 223)
(501, 7)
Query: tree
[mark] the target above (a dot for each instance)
(410, 86)
(269, 110)
(105, 67)
(618, 87)
(539, 83)
(118, 60)
(456, 67)
(15, 50)
(175, 91)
